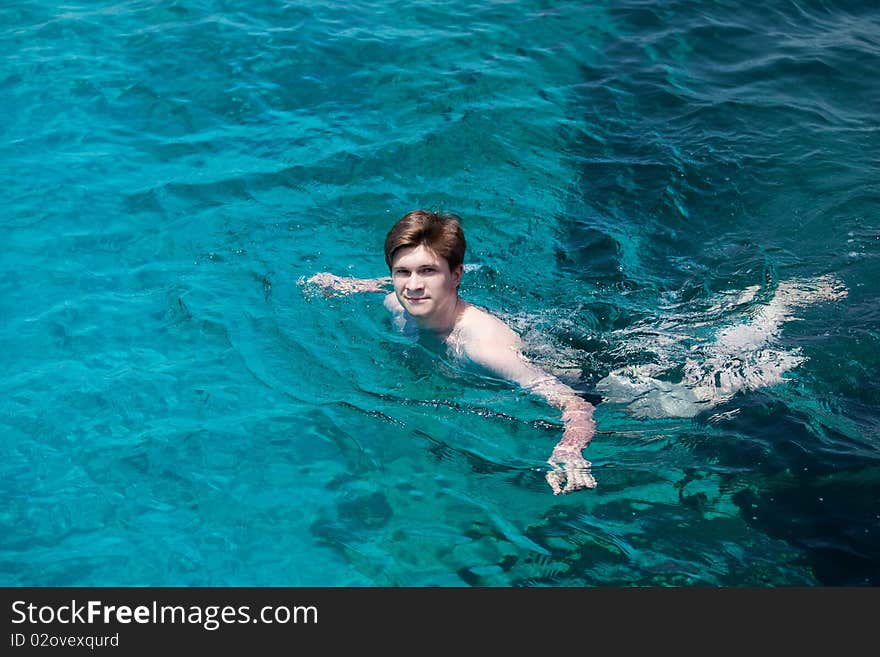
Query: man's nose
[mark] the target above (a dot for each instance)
(414, 282)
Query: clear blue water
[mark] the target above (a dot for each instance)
(176, 410)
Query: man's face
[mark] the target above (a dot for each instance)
(425, 287)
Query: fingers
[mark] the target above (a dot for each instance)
(554, 478)
(574, 477)
(579, 479)
(328, 284)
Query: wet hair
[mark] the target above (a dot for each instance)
(439, 231)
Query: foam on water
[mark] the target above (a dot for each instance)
(740, 358)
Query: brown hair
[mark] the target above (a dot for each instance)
(439, 231)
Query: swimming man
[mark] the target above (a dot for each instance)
(424, 252)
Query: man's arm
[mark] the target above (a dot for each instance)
(499, 350)
(333, 286)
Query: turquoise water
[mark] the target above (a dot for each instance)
(177, 410)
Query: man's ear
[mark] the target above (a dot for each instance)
(456, 274)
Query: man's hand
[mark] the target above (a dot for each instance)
(571, 471)
(332, 285)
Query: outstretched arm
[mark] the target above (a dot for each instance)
(571, 471)
(333, 286)
(500, 352)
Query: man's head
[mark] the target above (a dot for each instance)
(439, 232)
(424, 252)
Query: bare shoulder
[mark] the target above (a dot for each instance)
(480, 326)
(392, 304)
(489, 342)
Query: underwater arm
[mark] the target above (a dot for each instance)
(569, 466)
(333, 286)
(570, 470)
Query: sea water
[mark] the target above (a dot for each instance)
(638, 183)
